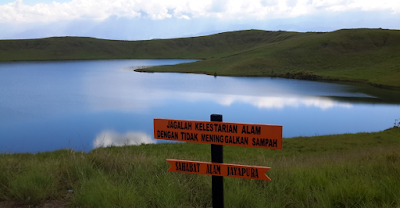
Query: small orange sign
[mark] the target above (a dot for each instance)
(219, 169)
(220, 133)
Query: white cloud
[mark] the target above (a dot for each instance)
(184, 17)
(362, 5)
(160, 9)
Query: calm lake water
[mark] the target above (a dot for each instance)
(86, 104)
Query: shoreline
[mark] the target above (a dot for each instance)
(314, 78)
(394, 128)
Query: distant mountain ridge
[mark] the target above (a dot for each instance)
(81, 48)
(362, 55)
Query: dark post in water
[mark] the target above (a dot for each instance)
(217, 181)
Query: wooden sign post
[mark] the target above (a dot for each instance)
(218, 133)
(217, 182)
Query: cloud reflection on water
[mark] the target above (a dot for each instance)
(144, 100)
(139, 92)
(271, 102)
(111, 138)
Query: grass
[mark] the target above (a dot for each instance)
(358, 55)
(349, 170)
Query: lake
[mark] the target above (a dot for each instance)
(82, 105)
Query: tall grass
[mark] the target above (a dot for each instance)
(365, 174)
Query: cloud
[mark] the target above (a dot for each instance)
(111, 138)
(100, 10)
(362, 5)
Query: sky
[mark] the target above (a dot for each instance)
(151, 19)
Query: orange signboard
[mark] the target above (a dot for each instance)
(220, 133)
(219, 169)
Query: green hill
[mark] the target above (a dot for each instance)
(81, 48)
(363, 55)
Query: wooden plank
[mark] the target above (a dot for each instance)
(220, 133)
(219, 169)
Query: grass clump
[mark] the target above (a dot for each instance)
(32, 187)
(349, 170)
(302, 74)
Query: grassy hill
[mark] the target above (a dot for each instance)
(78, 48)
(362, 55)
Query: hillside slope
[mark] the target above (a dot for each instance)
(362, 55)
(78, 48)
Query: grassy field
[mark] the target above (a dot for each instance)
(349, 170)
(359, 55)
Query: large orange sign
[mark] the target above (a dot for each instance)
(219, 169)
(220, 133)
